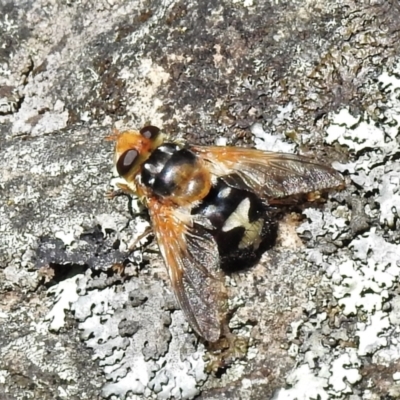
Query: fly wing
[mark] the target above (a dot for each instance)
(191, 256)
(270, 175)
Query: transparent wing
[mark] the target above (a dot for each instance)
(191, 256)
(270, 175)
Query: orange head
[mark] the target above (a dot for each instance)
(133, 148)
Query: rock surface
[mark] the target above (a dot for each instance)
(321, 309)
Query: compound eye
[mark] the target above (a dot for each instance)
(150, 132)
(126, 161)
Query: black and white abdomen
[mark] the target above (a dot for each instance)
(240, 219)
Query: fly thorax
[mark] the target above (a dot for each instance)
(176, 174)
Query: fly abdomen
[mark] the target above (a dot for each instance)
(240, 219)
